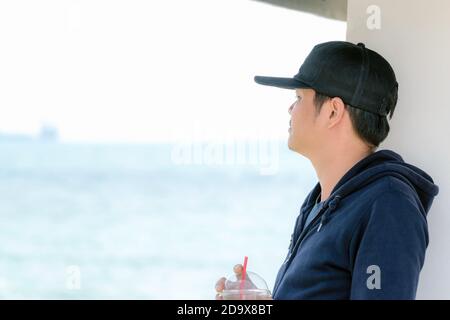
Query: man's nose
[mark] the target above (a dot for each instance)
(291, 107)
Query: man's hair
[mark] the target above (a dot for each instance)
(370, 127)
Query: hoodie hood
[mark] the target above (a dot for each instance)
(375, 166)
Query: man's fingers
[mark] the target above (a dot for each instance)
(220, 284)
(238, 270)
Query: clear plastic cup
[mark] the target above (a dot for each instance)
(252, 288)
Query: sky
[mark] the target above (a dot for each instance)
(151, 71)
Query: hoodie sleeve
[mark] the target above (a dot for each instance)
(390, 250)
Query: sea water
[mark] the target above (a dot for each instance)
(117, 221)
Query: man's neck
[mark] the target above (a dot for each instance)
(330, 168)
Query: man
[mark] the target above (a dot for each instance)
(362, 231)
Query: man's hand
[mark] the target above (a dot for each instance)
(220, 284)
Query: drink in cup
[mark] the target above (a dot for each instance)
(245, 286)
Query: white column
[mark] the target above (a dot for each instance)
(414, 36)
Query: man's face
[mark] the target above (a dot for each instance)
(304, 131)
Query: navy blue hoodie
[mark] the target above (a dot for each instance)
(368, 240)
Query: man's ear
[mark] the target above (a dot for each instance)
(336, 111)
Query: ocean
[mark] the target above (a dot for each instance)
(118, 221)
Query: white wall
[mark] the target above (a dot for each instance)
(415, 37)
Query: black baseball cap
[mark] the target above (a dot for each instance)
(361, 77)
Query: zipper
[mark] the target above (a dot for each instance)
(322, 215)
(303, 235)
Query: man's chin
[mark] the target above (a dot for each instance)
(289, 146)
(292, 146)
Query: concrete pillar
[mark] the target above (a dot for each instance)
(415, 37)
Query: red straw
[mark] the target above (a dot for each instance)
(244, 273)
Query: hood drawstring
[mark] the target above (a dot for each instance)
(332, 204)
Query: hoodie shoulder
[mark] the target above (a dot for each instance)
(385, 171)
(398, 188)
(402, 187)
(394, 238)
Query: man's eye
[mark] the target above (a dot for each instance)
(299, 98)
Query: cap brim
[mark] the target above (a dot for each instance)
(284, 83)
